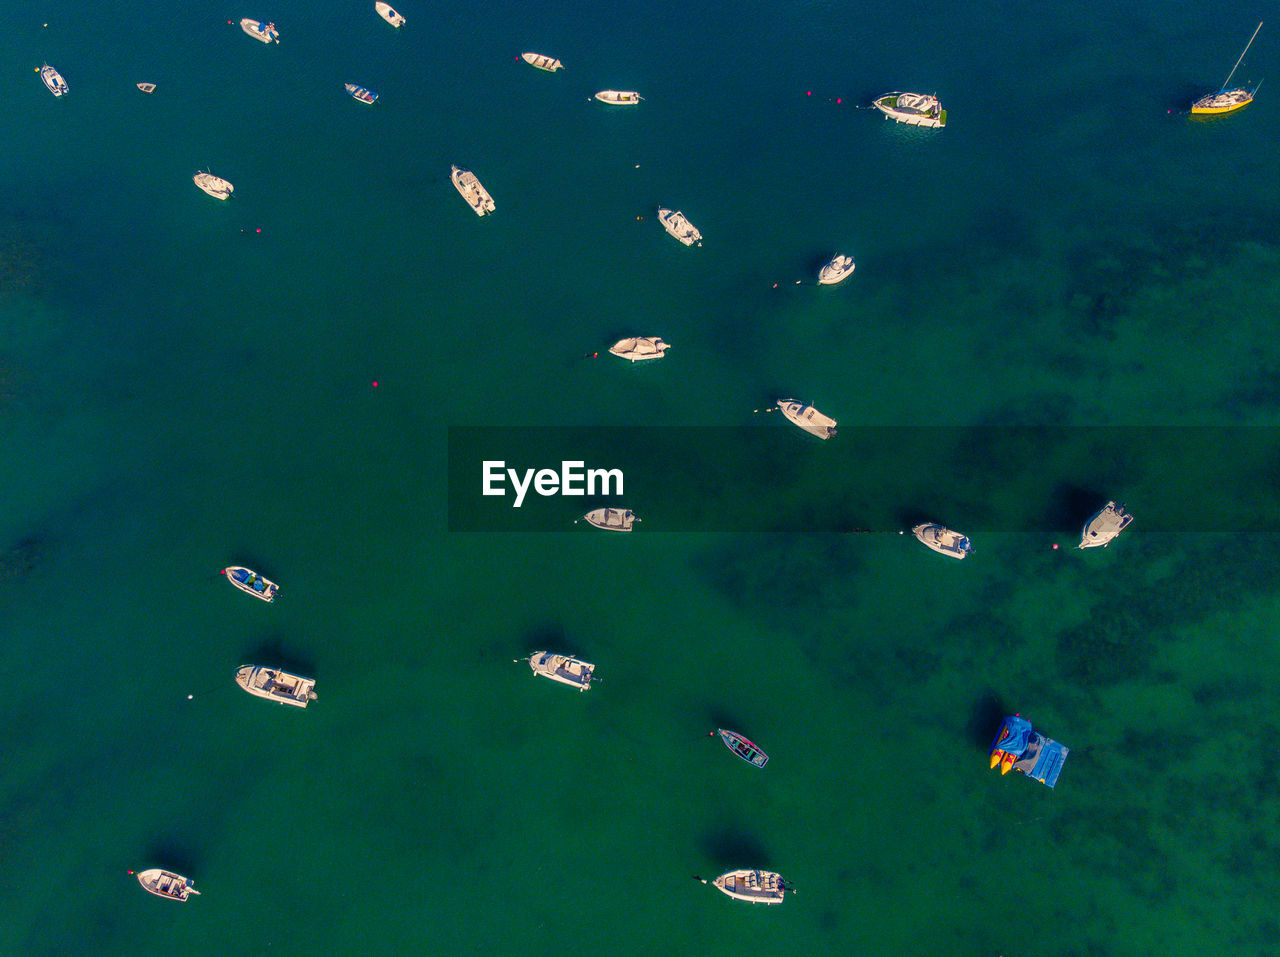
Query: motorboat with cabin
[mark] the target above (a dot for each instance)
(752, 885)
(619, 97)
(251, 583)
(215, 186)
(361, 94)
(808, 418)
(541, 62)
(611, 519)
(914, 109)
(266, 32)
(276, 685)
(477, 196)
(1108, 522)
(166, 884)
(53, 80)
(565, 669)
(943, 540)
(640, 348)
(675, 223)
(743, 748)
(839, 269)
(384, 10)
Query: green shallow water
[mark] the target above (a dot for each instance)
(179, 392)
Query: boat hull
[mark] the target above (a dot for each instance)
(933, 117)
(470, 188)
(361, 94)
(1215, 104)
(1103, 528)
(276, 685)
(611, 519)
(166, 884)
(265, 32)
(563, 669)
(53, 80)
(756, 887)
(384, 10)
(743, 748)
(838, 270)
(808, 418)
(619, 97)
(944, 541)
(215, 186)
(540, 62)
(639, 349)
(678, 227)
(248, 581)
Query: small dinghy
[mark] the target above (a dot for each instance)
(550, 64)
(758, 887)
(808, 418)
(639, 348)
(266, 32)
(612, 519)
(276, 685)
(742, 747)
(384, 10)
(619, 97)
(943, 540)
(675, 223)
(1102, 529)
(147, 87)
(361, 94)
(562, 668)
(477, 196)
(839, 269)
(53, 80)
(215, 186)
(167, 884)
(251, 582)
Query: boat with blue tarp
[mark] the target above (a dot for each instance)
(1017, 747)
(251, 582)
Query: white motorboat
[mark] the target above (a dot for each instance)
(276, 685)
(251, 583)
(642, 347)
(550, 64)
(1105, 525)
(147, 87)
(477, 196)
(385, 11)
(748, 884)
(619, 97)
(612, 519)
(839, 269)
(943, 540)
(266, 32)
(215, 186)
(914, 109)
(562, 668)
(53, 80)
(808, 418)
(675, 223)
(362, 94)
(166, 884)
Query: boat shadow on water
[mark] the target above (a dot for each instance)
(729, 848)
(172, 852)
(273, 652)
(1070, 506)
(985, 715)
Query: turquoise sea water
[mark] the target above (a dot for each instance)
(179, 392)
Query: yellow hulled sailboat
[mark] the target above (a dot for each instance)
(1224, 101)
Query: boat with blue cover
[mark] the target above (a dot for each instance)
(743, 748)
(251, 582)
(1019, 748)
(53, 80)
(260, 30)
(361, 94)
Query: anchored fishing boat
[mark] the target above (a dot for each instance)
(639, 348)
(215, 186)
(251, 582)
(53, 80)
(675, 223)
(619, 97)
(550, 64)
(477, 196)
(147, 87)
(166, 884)
(742, 747)
(943, 540)
(361, 94)
(914, 109)
(565, 669)
(266, 32)
(276, 685)
(808, 418)
(1225, 101)
(1106, 524)
(384, 10)
(612, 519)
(839, 269)
(755, 886)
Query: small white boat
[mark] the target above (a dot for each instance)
(675, 223)
(361, 94)
(1102, 529)
(943, 540)
(251, 582)
(53, 80)
(642, 347)
(550, 64)
(215, 186)
(808, 418)
(612, 519)
(164, 883)
(755, 886)
(147, 87)
(266, 32)
(619, 97)
(562, 668)
(385, 11)
(914, 109)
(276, 685)
(839, 269)
(477, 196)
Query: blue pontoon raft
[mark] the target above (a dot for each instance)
(1019, 748)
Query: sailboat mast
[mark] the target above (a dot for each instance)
(1237, 66)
